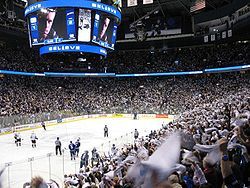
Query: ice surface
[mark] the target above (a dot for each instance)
(91, 135)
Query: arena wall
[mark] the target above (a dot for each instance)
(19, 128)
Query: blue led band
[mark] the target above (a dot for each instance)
(58, 48)
(74, 4)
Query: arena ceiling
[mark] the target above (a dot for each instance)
(168, 7)
(165, 8)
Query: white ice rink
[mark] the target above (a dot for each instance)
(27, 161)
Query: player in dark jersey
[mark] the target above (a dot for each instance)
(72, 148)
(43, 125)
(77, 147)
(84, 159)
(136, 134)
(58, 146)
(106, 131)
(18, 139)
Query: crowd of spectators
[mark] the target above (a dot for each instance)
(179, 59)
(182, 59)
(208, 145)
(32, 95)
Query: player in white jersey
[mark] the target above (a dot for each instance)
(33, 139)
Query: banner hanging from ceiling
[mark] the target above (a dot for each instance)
(147, 1)
(132, 3)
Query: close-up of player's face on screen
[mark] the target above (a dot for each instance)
(104, 32)
(104, 28)
(46, 21)
(53, 26)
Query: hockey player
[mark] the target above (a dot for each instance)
(106, 130)
(43, 125)
(33, 138)
(58, 146)
(95, 157)
(136, 134)
(135, 115)
(18, 139)
(77, 146)
(72, 148)
(84, 159)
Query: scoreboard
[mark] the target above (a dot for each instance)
(54, 23)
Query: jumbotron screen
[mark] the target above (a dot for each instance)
(49, 26)
(84, 25)
(104, 32)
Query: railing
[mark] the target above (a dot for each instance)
(50, 166)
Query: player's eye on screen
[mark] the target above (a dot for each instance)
(49, 23)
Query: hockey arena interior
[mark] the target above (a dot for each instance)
(125, 94)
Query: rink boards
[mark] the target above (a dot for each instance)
(22, 163)
(9, 130)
